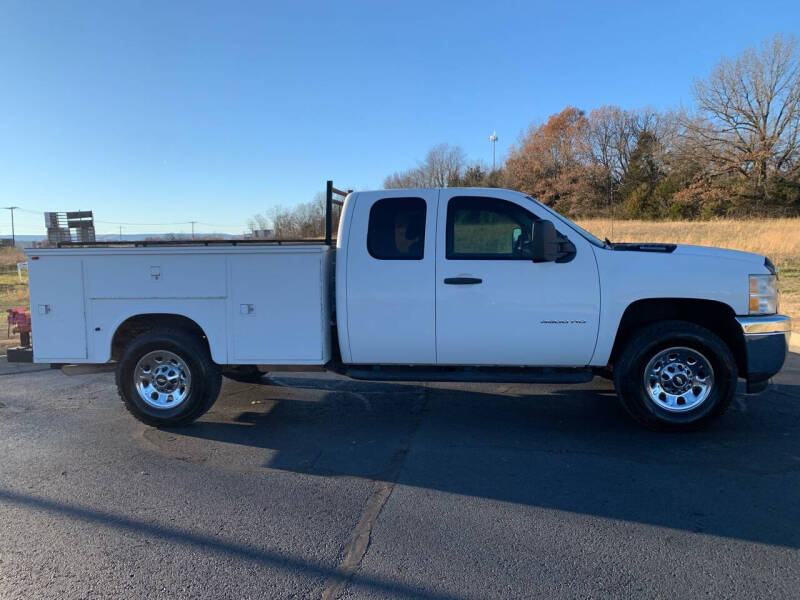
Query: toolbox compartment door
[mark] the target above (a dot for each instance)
(278, 313)
(58, 317)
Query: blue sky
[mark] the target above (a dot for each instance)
(162, 112)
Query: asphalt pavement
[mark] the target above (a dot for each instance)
(314, 486)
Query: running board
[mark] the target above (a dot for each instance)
(471, 374)
(87, 369)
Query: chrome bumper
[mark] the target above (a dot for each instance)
(766, 341)
(765, 324)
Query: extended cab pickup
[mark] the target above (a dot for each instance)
(422, 284)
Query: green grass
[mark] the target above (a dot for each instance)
(13, 296)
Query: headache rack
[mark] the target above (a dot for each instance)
(333, 197)
(330, 201)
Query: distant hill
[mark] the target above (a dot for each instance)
(110, 237)
(27, 240)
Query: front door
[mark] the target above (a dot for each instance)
(391, 265)
(494, 305)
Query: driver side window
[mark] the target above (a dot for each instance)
(481, 228)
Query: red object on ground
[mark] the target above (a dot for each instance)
(19, 319)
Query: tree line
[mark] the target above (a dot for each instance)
(736, 154)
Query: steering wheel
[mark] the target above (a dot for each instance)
(522, 246)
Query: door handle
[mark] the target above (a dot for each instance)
(462, 280)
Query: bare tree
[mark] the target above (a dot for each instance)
(443, 165)
(404, 180)
(301, 221)
(614, 132)
(305, 220)
(258, 223)
(748, 120)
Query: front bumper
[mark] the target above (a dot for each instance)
(766, 341)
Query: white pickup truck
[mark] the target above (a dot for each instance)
(422, 285)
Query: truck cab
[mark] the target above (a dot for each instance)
(448, 277)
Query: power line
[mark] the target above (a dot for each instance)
(130, 224)
(166, 224)
(37, 212)
(141, 224)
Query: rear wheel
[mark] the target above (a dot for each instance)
(166, 378)
(675, 376)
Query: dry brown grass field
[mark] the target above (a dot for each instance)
(9, 257)
(777, 238)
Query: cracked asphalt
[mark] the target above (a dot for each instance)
(314, 486)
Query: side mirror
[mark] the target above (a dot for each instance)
(545, 242)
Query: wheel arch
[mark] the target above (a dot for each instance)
(715, 316)
(135, 325)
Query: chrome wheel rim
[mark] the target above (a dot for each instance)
(162, 379)
(678, 379)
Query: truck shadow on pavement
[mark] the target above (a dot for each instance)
(567, 449)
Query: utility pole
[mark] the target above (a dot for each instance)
(192, 222)
(13, 237)
(120, 233)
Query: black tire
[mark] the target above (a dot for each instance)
(204, 385)
(244, 374)
(647, 343)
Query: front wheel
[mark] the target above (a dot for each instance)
(675, 376)
(166, 378)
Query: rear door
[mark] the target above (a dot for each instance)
(391, 268)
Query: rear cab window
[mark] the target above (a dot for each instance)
(396, 229)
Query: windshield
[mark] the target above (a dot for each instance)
(592, 239)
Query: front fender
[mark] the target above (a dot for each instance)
(628, 277)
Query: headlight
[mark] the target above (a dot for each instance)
(763, 294)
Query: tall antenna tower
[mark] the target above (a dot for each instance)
(493, 139)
